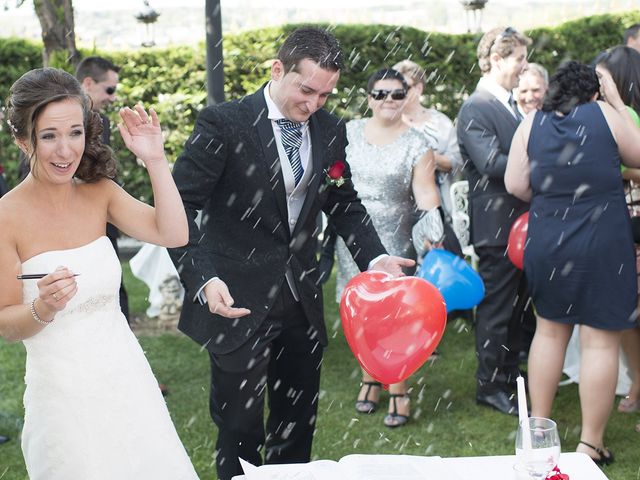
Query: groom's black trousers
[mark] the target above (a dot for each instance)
(283, 357)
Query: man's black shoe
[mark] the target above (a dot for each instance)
(3, 439)
(499, 399)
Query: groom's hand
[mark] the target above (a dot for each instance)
(393, 265)
(220, 301)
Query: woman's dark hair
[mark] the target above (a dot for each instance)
(624, 65)
(30, 95)
(386, 74)
(572, 84)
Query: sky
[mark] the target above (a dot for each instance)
(93, 5)
(111, 23)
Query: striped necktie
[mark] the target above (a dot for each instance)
(291, 134)
(514, 108)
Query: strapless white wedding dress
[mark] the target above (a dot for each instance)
(93, 409)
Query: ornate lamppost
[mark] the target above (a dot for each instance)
(473, 10)
(148, 16)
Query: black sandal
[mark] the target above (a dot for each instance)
(367, 406)
(603, 459)
(395, 419)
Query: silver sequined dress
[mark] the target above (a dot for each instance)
(382, 176)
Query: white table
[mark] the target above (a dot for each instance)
(578, 466)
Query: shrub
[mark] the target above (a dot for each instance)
(173, 79)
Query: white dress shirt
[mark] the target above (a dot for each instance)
(498, 91)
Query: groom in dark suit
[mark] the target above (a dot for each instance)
(257, 170)
(486, 124)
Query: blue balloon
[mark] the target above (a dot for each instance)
(460, 285)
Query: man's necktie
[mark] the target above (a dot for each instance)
(514, 107)
(291, 134)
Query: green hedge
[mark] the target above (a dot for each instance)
(173, 79)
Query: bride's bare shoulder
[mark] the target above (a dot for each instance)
(104, 186)
(13, 204)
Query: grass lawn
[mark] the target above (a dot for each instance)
(446, 421)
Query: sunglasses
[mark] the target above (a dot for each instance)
(110, 90)
(399, 94)
(506, 33)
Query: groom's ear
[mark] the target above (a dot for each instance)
(277, 70)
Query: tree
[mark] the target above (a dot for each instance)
(58, 31)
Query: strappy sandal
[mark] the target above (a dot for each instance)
(366, 405)
(395, 419)
(627, 405)
(604, 459)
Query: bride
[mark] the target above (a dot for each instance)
(93, 409)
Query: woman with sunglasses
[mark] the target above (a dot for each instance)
(394, 166)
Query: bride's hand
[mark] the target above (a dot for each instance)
(142, 134)
(57, 288)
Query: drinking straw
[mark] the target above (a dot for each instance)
(523, 415)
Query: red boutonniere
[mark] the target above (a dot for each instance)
(334, 173)
(556, 474)
(1, 169)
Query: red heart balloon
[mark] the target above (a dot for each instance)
(392, 325)
(518, 240)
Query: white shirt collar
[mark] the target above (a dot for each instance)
(273, 112)
(494, 89)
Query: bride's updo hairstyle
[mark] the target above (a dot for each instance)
(29, 96)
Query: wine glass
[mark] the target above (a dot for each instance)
(537, 447)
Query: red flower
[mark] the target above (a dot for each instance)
(1, 169)
(336, 169)
(556, 474)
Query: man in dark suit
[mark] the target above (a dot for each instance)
(486, 124)
(99, 78)
(257, 170)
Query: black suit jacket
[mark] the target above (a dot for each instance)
(230, 170)
(485, 129)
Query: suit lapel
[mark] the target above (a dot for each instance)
(499, 107)
(264, 128)
(317, 157)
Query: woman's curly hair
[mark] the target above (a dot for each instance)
(573, 84)
(36, 89)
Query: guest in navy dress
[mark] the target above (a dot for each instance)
(579, 259)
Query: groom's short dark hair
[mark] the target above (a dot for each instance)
(313, 43)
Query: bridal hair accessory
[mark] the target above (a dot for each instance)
(334, 173)
(35, 315)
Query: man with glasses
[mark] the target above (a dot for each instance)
(99, 80)
(486, 124)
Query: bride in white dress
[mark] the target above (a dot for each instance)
(93, 409)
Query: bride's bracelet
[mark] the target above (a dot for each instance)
(35, 315)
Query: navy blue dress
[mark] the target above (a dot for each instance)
(579, 258)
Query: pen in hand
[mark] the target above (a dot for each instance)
(36, 276)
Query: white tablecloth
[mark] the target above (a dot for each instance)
(578, 466)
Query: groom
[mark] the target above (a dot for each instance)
(257, 169)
